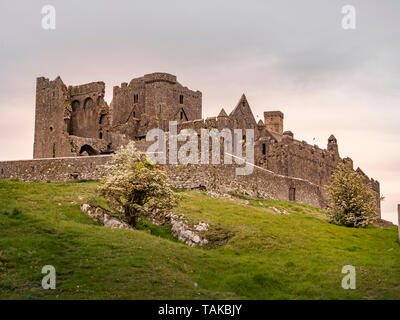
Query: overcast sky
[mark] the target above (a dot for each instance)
(292, 56)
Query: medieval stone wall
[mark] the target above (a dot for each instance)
(299, 159)
(125, 105)
(51, 97)
(70, 121)
(153, 100)
(261, 183)
(86, 104)
(54, 169)
(77, 121)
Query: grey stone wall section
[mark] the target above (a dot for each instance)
(260, 183)
(54, 169)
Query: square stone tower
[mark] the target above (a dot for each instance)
(274, 121)
(49, 117)
(153, 100)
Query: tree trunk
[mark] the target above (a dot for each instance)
(131, 216)
(132, 221)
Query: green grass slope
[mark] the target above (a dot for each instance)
(268, 255)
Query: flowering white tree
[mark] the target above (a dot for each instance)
(135, 184)
(351, 202)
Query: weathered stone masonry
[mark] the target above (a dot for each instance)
(54, 169)
(221, 177)
(77, 122)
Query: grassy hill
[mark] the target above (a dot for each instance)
(268, 255)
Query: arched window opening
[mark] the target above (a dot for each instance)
(88, 103)
(75, 106)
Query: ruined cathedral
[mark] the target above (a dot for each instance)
(76, 121)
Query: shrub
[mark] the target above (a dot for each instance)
(351, 202)
(135, 185)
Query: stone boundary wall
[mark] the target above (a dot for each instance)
(261, 183)
(54, 169)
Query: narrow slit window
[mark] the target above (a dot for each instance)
(292, 194)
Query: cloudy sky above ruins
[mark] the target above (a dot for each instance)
(286, 55)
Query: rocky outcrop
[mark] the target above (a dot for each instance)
(189, 234)
(278, 211)
(100, 214)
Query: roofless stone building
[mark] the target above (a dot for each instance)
(76, 121)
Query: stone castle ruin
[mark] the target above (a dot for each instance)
(75, 130)
(75, 120)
